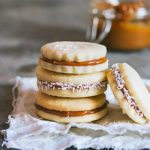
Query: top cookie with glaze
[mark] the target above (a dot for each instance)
(73, 51)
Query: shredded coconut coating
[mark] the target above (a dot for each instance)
(122, 87)
(73, 87)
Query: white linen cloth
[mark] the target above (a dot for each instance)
(28, 132)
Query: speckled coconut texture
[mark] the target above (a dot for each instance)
(122, 87)
(74, 87)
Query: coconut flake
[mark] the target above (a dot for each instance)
(74, 87)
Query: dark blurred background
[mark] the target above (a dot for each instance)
(26, 25)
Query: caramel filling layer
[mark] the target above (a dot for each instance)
(73, 63)
(71, 113)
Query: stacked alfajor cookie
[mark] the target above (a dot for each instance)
(71, 77)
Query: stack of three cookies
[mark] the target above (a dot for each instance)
(71, 77)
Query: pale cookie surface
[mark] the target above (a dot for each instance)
(50, 76)
(73, 51)
(123, 103)
(130, 92)
(68, 104)
(69, 85)
(136, 88)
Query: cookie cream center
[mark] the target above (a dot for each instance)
(74, 87)
(122, 87)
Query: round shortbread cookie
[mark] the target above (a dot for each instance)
(74, 69)
(73, 57)
(130, 92)
(137, 89)
(50, 76)
(69, 85)
(73, 51)
(78, 119)
(126, 108)
(69, 104)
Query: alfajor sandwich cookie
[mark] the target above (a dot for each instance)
(66, 110)
(71, 85)
(74, 57)
(130, 92)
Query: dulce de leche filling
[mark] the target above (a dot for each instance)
(73, 63)
(122, 87)
(71, 113)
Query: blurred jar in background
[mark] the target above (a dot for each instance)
(120, 24)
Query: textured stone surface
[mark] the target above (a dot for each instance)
(26, 25)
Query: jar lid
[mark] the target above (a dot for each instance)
(122, 11)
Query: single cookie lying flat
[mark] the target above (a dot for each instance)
(74, 57)
(68, 110)
(69, 85)
(130, 92)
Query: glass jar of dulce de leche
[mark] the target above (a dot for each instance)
(120, 24)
